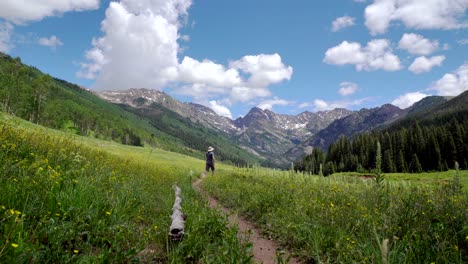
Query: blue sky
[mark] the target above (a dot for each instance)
(287, 56)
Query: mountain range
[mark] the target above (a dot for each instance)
(277, 138)
(263, 133)
(145, 116)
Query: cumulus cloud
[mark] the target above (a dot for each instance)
(424, 64)
(207, 72)
(322, 105)
(347, 88)
(463, 42)
(417, 14)
(220, 109)
(407, 100)
(264, 69)
(51, 42)
(270, 103)
(417, 44)
(21, 12)
(139, 47)
(452, 84)
(6, 30)
(342, 22)
(377, 55)
(244, 94)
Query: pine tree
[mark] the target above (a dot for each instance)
(401, 164)
(388, 164)
(415, 166)
(379, 177)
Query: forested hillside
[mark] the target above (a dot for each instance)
(428, 140)
(28, 93)
(194, 135)
(32, 95)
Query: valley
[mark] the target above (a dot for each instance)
(81, 172)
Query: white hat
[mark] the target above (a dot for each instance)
(210, 148)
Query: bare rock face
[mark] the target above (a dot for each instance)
(145, 98)
(263, 132)
(348, 126)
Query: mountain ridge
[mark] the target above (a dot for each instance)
(262, 132)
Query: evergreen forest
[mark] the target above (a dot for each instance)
(429, 140)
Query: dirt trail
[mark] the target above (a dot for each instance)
(264, 250)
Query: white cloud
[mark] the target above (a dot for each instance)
(139, 47)
(264, 69)
(452, 84)
(417, 14)
(304, 105)
(322, 105)
(417, 44)
(244, 94)
(6, 30)
(347, 88)
(51, 42)
(407, 100)
(199, 91)
(270, 103)
(423, 64)
(342, 22)
(21, 12)
(377, 55)
(220, 109)
(463, 42)
(207, 72)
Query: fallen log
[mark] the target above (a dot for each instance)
(176, 230)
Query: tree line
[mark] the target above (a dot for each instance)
(39, 98)
(29, 94)
(415, 148)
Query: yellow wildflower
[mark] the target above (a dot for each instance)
(108, 213)
(14, 245)
(76, 251)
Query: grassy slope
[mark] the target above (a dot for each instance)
(66, 106)
(342, 219)
(77, 199)
(194, 136)
(424, 178)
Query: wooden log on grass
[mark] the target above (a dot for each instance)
(176, 231)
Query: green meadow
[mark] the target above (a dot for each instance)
(348, 218)
(72, 199)
(69, 199)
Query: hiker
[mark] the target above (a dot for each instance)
(210, 160)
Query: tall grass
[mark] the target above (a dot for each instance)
(350, 220)
(63, 202)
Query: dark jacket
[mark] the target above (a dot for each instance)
(210, 157)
